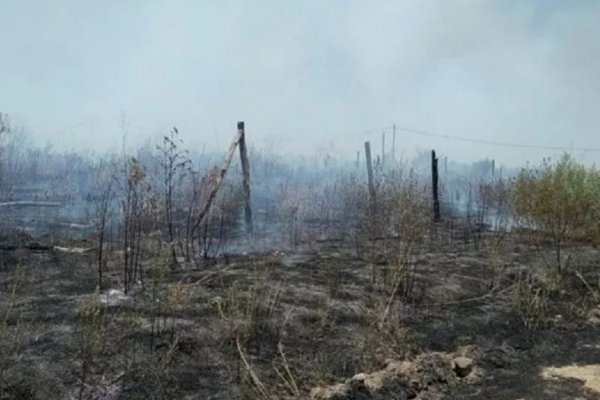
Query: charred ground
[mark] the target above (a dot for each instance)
(280, 324)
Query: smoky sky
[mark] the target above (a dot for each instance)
(306, 76)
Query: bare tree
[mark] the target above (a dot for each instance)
(174, 163)
(133, 208)
(103, 200)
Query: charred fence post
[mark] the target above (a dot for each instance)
(434, 177)
(246, 177)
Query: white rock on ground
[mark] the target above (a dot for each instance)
(462, 366)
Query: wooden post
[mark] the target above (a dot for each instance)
(434, 177)
(370, 171)
(246, 177)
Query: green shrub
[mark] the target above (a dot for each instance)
(561, 200)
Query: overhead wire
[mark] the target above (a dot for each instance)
(478, 141)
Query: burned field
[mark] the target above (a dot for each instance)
(160, 277)
(408, 207)
(296, 323)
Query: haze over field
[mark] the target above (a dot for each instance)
(306, 75)
(299, 199)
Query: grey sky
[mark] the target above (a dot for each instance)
(304, 74)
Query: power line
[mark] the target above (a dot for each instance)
(373, 130)
(480, 141)
(495, 143)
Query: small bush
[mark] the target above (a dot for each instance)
(530, 303)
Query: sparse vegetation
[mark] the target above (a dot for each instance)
(165, 298)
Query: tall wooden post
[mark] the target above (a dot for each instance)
(246, 177)
(370, 171)
(434, 177)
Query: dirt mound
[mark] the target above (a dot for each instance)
(430, 376)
